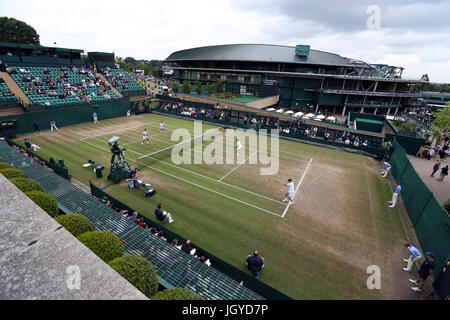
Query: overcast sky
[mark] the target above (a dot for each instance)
(412, 34)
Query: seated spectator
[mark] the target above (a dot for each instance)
(134, 217)
(255, 264)
(153, 231)
(175, 243)
(188, 248)
(162, 215)
(141, 223)
(205, 261)
(161, 235)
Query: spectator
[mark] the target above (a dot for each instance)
(134, 217)
(187, 247)
(161, 235)
(255, 264)
(425, 270)
(175, 243)
(162, 215)
(444, 172)
(436, 167)
(415, 255)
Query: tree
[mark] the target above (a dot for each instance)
(227, 86)
(211, 88)
(187, 88)
(16, 31)
(198, 87)
(441, 122)
(407, 126)
(174, 84)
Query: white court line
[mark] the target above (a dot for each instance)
(238, 165)
(172, 146)
(296, 189)
(195, 184)
(287, 152)
(110, 132)
(196, 173)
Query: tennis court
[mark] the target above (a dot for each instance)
(318, 248)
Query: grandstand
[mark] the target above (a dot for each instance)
(49, 77)
(303, 78)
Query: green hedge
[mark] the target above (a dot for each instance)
(177, 294)
(27, 184)
(104, 244)
(76, 224)
(45, 201)
(447, 206)
(4, 165)
(138, 271)
(13, 173)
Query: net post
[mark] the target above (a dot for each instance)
(137, 163)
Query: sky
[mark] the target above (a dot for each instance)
(414, 34)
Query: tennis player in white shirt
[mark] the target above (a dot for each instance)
(290, 194)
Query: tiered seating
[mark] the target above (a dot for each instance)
(122, 81)
(6, 95)
(62, 86)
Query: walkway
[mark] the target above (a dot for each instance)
(424, 168)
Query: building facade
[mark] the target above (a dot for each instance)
(304, 79)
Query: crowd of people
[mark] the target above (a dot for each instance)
(161, 216)
(297, 127)
(118, 80)
(26, 154)
(6, 92)
(57, 85)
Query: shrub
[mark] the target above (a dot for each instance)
(447, 206)
(139, 272)
(76, 224)
(13, 173)
(45, 201)
(104, 244)
(177, 294)
(27, 184)
(4, 165)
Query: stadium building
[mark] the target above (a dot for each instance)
(303, 79)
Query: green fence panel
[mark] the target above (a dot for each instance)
(64, 116)
(430, 221)
(415, 194)
(433, 231)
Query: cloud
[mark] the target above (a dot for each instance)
(154, 29)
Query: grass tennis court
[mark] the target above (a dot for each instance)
(244, 99)
(318, 248)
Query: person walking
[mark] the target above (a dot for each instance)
(415, 255)
(395, 195)
(444, 172)
(255, 264)
(426, 269)
(436, 167)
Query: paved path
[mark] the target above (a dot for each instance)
(424, 168)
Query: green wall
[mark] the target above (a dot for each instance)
(64, 116)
